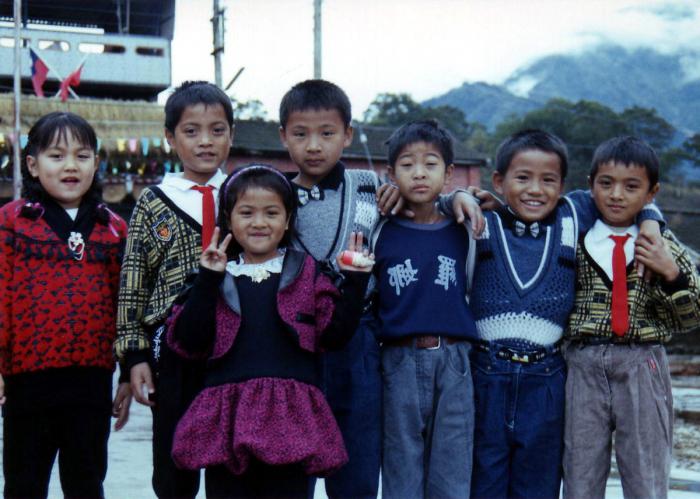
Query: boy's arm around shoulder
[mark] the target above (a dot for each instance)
(461, 205)
(587, 212)
(343, 292)
(679, 299)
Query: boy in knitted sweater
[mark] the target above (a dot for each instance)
(335, 201)
(523, 292)
(618, 379)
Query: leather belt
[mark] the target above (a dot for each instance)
(424, 341)
(517, 355)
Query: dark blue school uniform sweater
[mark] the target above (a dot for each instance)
(423, 279)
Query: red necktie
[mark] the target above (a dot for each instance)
(620, 315)
(208, 222)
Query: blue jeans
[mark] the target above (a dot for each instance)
(354, 391)
(519, 434)
(428, 422)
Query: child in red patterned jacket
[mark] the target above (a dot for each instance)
(60, 255)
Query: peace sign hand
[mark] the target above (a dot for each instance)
(214, 257)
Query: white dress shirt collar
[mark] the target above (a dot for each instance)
(178, 181)
(600, 246)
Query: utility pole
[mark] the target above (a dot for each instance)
(219, 29)
(317, 39)
(17, 158)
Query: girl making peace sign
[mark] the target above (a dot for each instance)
(261, 312)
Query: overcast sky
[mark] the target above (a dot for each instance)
(422, 47)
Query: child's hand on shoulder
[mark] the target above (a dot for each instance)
(391, 202)
(466, 206)
(355, 259)
(651, 251)
(214, 256)
(487, 199)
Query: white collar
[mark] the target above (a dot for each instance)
(257, 271)
(177, 181)
(601, 232)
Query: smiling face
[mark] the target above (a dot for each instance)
(65, 169)
(420, 173)
(315, 140)
(620, 192)
(201, 139)
(532, 185)
(258, 223)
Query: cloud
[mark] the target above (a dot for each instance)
(668, 11)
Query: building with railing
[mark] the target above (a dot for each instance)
(125, 45)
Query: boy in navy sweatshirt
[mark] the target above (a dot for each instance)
(423, 268)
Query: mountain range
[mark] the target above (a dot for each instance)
(610, 74)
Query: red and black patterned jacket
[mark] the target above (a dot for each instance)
(58, 300)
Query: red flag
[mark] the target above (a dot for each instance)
(72, 80)
(39, 72)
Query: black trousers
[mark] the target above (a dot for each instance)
(33, 439)
(259, 481)
(177, 383)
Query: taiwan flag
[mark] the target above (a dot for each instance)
(39, 72)
(72, 80)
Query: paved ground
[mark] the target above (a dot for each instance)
(129, 471)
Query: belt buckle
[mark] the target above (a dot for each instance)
(438, 344)
(525, 358)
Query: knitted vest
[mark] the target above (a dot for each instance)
(357, 212)
(507, 306)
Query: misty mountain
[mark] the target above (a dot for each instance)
(612, 75)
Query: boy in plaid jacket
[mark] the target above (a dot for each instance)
(618, 377)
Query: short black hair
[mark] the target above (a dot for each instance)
(192, 93)
(315, 95)
(428, 131)
(49, 129)
(249, 177)
(627, 150)
(531, 140)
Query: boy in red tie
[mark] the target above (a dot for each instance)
(618, 378)
(170, 225)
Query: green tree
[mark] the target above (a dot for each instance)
(649, 126)
(584, 125)
(691, 149)
(394, 110)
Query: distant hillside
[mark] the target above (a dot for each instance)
(612, 75)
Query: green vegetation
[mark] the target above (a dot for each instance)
(582, 125)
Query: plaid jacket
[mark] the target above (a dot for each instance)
(656, 310)
(162, 249)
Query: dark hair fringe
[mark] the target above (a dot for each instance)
(627, 150)
(316, 95)
(251, 176)
(531, 139)
(191, 93)
(429, 131)
(51, 126)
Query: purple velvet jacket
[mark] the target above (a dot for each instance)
(322, 316)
